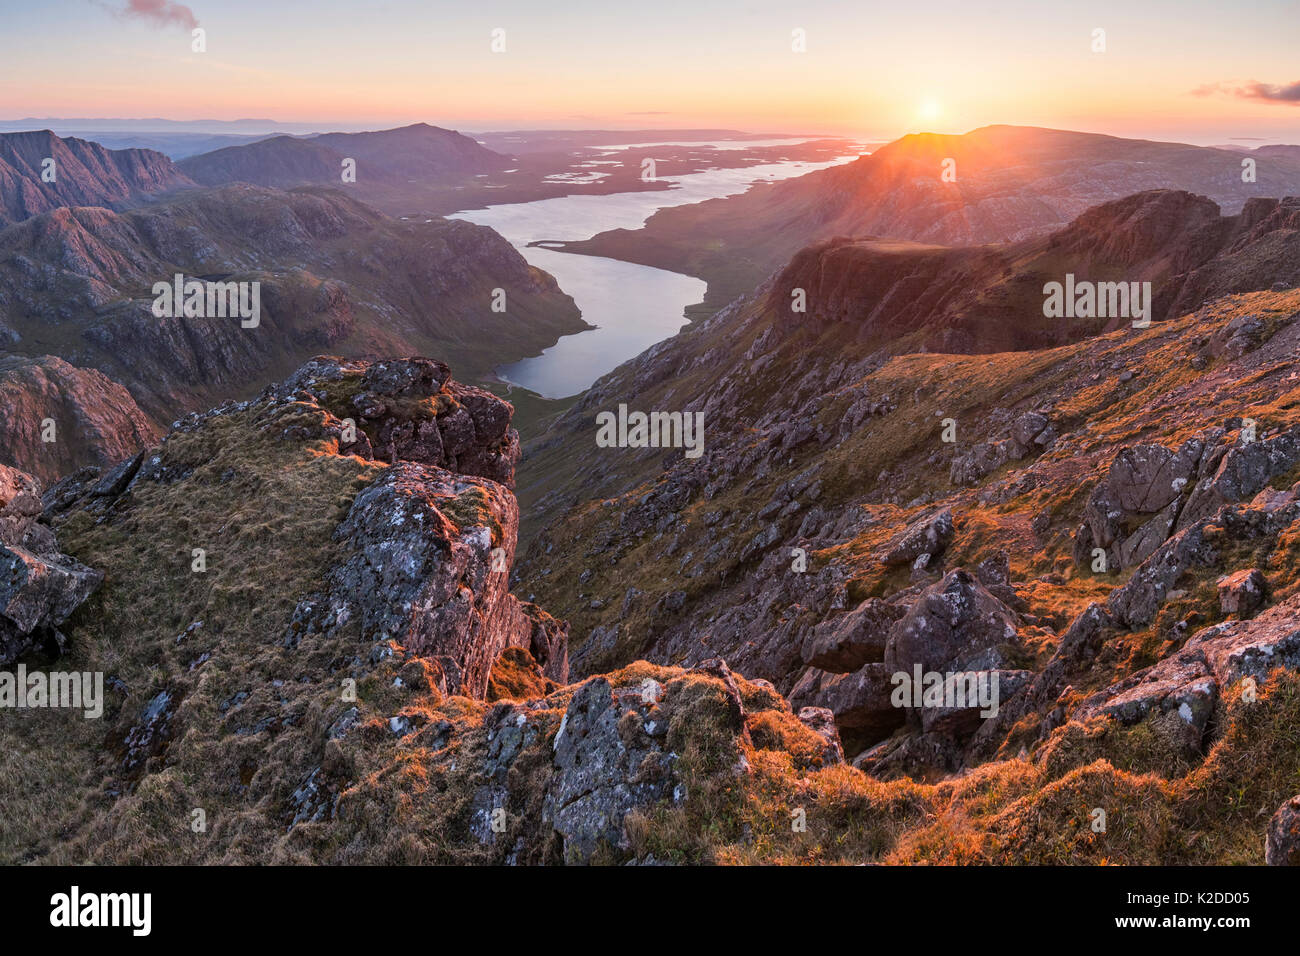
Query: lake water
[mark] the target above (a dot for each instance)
(633, 306)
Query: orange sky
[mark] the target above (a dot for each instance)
(870, 70)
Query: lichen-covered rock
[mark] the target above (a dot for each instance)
(1184, 687)
(949, 625)
(420, 570)
(39, 587)
(609, 759)
(1243, 592)
(928, 535)
(1282, 843)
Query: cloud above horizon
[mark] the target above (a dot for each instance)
(162, 13)
(1255, 90)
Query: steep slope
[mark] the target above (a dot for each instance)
(911, 296)
(428, 154)
(337, 714)
(58, 417)
(1012, 183)
(85, 174)
(333, 273)
(851, 496)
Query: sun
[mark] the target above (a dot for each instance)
(930, 109)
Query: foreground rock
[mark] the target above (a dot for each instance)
(1282, 844)
(39, 586)
(422, 556)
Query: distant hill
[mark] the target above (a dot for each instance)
(85, 174)
(1012, 183)
(334, 275)
(422, 153)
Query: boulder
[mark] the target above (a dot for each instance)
(964, 716)
(39, 587)
(609, 760)
(1243, 592)
(1031, 428)
(845, 643)
(860, 702)
(1282, 841)
(928, 535)
(948, 627)
(1147, 478)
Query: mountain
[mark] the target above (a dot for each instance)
(279, 161)
(85, 174)
(1106, 522)
(333, 273)
(466, 741)
(424, 153)
(908, 296)
(1012, 183)
(829, 538)
(93, 419)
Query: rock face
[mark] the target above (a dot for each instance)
(90, 419)
(86, 174)
(610, 757)
(1282, 844)
(411, 410)
(39, 586)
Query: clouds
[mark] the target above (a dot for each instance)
(1267, 91)
(1255, 90)
(162, 13)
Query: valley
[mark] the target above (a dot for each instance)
(548, 611)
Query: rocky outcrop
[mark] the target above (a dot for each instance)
(1151, 491)
(424, 549)
(40, 587)
(411, 410)
(610, 757)
(1182, 689)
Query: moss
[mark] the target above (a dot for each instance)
(472, 508)
(516, 676)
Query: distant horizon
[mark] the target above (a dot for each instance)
(255, 126)
(1164, 70)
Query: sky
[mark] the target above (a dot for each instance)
(1190, 70)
